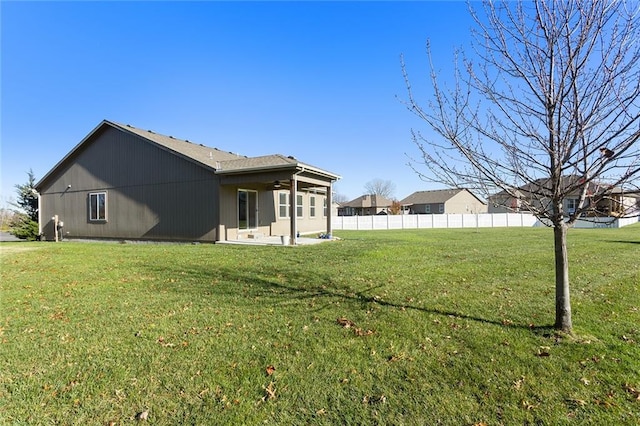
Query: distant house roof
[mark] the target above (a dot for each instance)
(371, 200)
(221, 162)
(542, 187)
(433, 197)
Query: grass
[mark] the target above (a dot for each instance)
(445, 327)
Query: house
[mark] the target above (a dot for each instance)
(616, 201)
(121, 182)
(443, 201)
(365, 205)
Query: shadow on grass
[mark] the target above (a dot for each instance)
(307, 285)
(623, 241)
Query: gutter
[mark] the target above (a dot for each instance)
(298, 169)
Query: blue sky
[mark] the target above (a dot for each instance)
(316, 80)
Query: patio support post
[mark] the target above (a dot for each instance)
(293, 216)
(329, 208)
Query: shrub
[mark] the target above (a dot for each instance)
(23, 227)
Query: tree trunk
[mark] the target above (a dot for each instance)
(563, 301)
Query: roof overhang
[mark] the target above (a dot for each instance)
(293, 168)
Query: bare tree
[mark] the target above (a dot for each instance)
(546, 108)
(384, 188)
(338, 197)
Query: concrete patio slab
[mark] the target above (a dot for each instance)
(274, 241)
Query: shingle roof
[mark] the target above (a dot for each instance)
(365, 201)
(264, 161)
(431, 197)
(213, 158)
(199, 152)
(221, 161)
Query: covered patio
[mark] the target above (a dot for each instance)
(279, 183)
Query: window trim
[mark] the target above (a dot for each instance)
(97, 195)
(300, 207)
(286, 204)
(312, 206)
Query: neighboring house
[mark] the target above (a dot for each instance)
(121, 182)
(616, 203)
(365, 205)
(443, 201)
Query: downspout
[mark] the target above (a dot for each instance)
(329, 200)
(39, 215)
(293, 187)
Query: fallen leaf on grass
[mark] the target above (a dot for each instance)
(120, 394)
(604, 403)
(576, 401)
(270, 392)
(594, 358)
(165, 344)
(143, 415)
(346, 323)
(544, 351)
(270, 370)
(633, 391)
(374, 399)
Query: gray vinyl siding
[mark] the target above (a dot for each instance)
(151, 193)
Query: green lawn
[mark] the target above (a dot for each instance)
(437, 327)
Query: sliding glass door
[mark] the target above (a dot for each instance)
(247, 209)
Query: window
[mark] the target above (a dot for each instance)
(312, 206)
(299, 205)
(572, 205)
(440, 208)
(247, 209)
(427, 208)
(324, 207)
(283, 204)
(98, 206)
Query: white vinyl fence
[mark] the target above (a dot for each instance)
(482, 220)
(423, 221)
(605, 222)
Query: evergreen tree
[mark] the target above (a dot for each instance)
(28, 197)
(25, 222)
